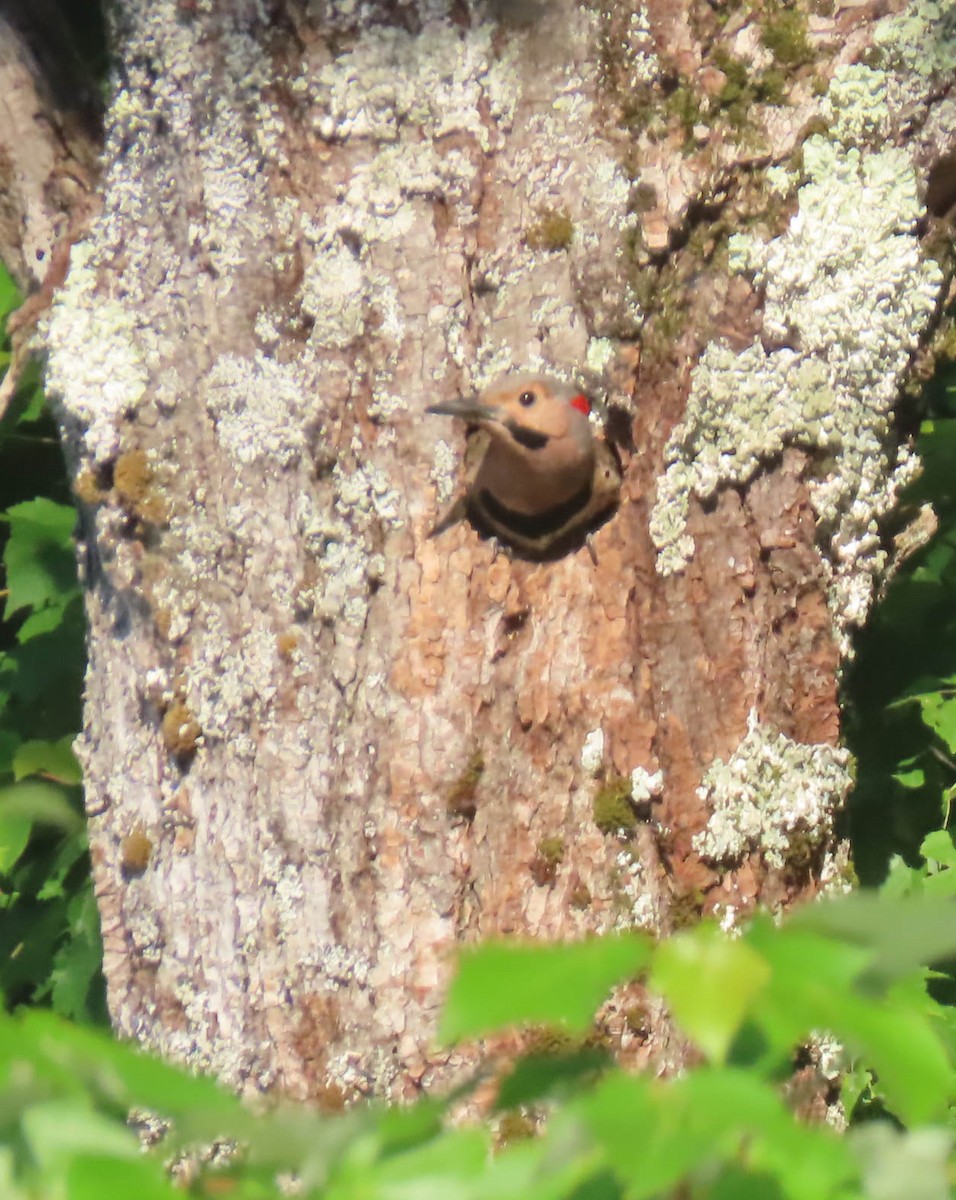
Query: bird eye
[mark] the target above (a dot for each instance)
(527, 399)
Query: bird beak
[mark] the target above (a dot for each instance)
(466, 408)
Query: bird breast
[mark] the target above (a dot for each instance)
(533, 481)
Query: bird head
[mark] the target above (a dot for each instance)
(531, 413)
(541, 451)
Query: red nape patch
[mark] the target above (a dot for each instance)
(582, 404)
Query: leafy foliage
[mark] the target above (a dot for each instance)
(722, 1130)
(49, 933)
(901, 689)
(536, 978)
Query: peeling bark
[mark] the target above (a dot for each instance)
(350, 747)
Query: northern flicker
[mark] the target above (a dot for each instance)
(534, 476)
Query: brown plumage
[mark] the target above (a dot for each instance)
(534, 475)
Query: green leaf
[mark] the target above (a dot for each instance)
(533, 1170)
(911, 932)
(8, 1188)
(9, 295)
(79, 960)
(61, 1129)
(55, 760)
(442, 1169)
(64, 857)
(309, 1143)
(14, 835)
(45, 674)
(656, 1134)
(97, 1177)
(941, 882)
(401, 1128)
(31, 397)
(831, 984)
(912, 1066)
(9, 741)
(857, 1081)
(691, 970)
(538, 1076)
(44, 620)
(736, 1184)
(71, 1060)
(807, 970)
(939, 713)
(940, 854)
(40, 802)
(926, 687)
(910, 779)
(939, 847)
(39, 554)
(29, 935)
(901, 879)
(505, 983)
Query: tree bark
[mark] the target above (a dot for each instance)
(321, 749)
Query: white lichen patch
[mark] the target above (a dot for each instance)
(435, 80)
(589, 189)
(334, 296)
(419, 113)
(847, 284)
(829, 1055)
(726, 915)
(635, 904)
(592, 752)
(837, 877)
(96, 360)
(631, 903)
(774, 797)
(269, 329)
(102, 352)
(856, 104)
(594, 189)
(258, 407)
(564, 213)
(234, 192)
(600, 354)
(367, 490)
(343, 561)
(645, 785)
(412, 110)
(780, 181)
(232, 681)
(444, 471)
(918, 46)
(283, 881)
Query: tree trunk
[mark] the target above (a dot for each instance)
(322, 749)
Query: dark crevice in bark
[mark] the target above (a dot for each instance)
(67, 41)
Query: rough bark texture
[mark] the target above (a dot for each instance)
(321, 749)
